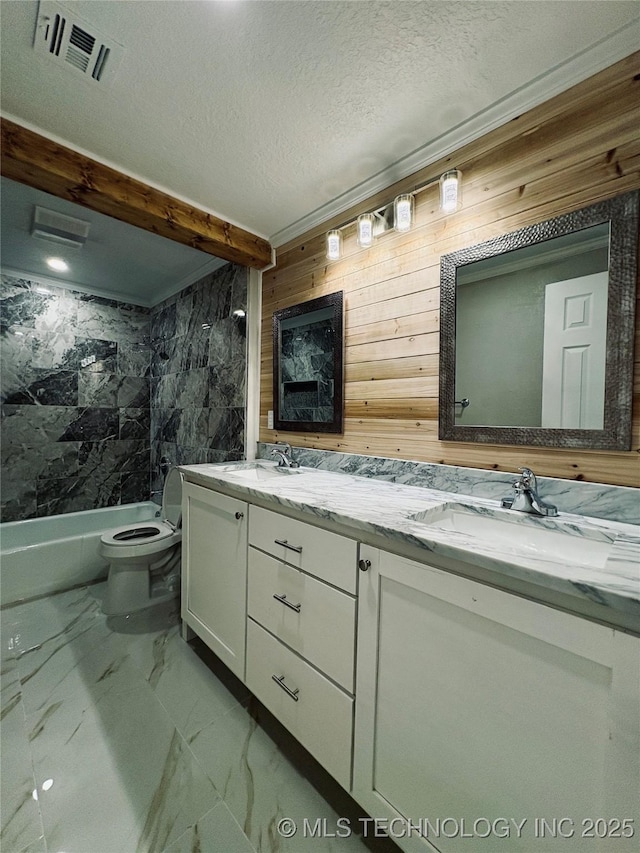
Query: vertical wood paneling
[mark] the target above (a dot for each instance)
(578, 148)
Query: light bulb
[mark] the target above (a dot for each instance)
(365, 230)
(57, 264)
(403, 212)
(334, 245)
(450, 191)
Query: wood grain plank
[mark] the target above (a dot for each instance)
(39, 162)
(578, 148)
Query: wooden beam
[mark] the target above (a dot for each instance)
(39, 162)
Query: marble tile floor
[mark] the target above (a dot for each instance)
(119, 737)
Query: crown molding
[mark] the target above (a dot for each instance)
(563, 76)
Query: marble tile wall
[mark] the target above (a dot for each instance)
(75, 400)
(198, 368)
(96, 392)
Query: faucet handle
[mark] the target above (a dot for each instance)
(527, 481)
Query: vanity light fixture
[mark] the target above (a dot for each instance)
(399, 214)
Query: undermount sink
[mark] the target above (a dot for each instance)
(259, 471)
(528, 534)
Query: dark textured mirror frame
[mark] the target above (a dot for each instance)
(334, 302)
(622, 214)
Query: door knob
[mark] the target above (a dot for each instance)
(363, 565)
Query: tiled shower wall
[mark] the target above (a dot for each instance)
(198, 371)
(75, 392)
(95, 392)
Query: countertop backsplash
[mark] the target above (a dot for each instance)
(597, 500)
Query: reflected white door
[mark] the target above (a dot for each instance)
(575, 339)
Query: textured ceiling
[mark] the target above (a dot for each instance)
(274, 115)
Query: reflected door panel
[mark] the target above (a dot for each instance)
(575, 351)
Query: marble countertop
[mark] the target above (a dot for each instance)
(592, 564)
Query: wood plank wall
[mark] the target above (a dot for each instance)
(578, 148)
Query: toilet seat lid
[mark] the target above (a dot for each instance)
(172, 498)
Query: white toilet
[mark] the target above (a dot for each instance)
(144, 558)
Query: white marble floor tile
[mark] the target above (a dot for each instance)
(216, 832)
(106, 668)
(130, 741)
(39, 846)
(261, 786)
(10, 690)
(193, 697)
(114, 775)
(186, 687)
(20, 823)
(62, 617)
(54, 635)
(7, 639)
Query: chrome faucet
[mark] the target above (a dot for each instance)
(286, 460)
(527, 498)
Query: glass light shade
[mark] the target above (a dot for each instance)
(403, 207)
(57, 264)
(451, 191)
(334, 245)
(365, 230)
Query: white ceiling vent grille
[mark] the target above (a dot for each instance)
(67, 39)
(58, 228)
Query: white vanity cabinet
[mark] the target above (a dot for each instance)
(301, 633)
(214, 572)
(475, 705)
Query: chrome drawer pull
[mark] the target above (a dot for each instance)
(296, 548)
(283, 600)
(287, 690)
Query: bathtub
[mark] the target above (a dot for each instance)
(44, 555)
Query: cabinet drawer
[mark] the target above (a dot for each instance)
(326, 555)
(316, 620)
(318, 713)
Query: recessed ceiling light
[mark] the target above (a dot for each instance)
(57, 264)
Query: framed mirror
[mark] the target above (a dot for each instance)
(308, 365)
(537, 329)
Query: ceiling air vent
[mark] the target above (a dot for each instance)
(58, 228)
(67, 39)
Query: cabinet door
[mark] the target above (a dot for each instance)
(477, 710)
(214, 572)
